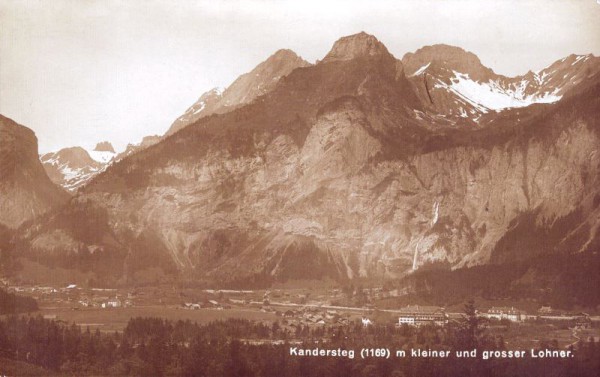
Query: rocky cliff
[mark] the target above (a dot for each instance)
(25, 189)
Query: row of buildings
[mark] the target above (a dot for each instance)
(417, 315)
(421, 315)
(500, 313)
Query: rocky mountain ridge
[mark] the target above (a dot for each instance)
(245, 89)
(69, 171)
(454, 84)
(344, 169)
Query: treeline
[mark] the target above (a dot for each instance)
(156, 347)
(562, 281)
(11, 303)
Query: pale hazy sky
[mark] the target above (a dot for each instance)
(82, 71)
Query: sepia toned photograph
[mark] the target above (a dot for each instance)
(310, 188)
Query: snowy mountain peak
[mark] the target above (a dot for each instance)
(73, 167)
(103, 153)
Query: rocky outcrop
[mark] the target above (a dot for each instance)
(25, 189)
(147, 141)
(104, 146)
(361, 45)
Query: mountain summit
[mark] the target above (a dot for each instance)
(355, 46)
(262, 79)
(104, 146)
(73, 167)
(449, 57)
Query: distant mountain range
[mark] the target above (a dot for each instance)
(451, 83)
(73, 167)
(361, 165)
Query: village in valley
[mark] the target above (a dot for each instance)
(110, 309)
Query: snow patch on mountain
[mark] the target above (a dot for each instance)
(73, 167)
(421, 70)
(540, 78)
(492, 95)
(579, 58)
(103, 157)
(202, 106)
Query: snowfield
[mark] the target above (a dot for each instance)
(491, 95)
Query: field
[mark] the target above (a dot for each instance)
(115, 319)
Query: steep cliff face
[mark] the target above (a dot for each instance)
(330, 174)
(25, 189)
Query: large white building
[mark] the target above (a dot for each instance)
(421, 315)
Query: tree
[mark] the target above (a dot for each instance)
(236, 365)
(275, 329)
(470, 331)
(501, 343)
